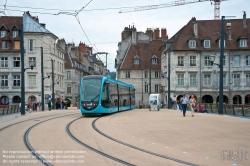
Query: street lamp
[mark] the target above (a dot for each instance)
(168, 44)
(53, 91)
(152, 60)
(221, 64)
(48, 75)
(212, 60)
(57, 82)
(32, 64)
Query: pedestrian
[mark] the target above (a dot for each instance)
(34, 106)
(58, 105)
(184, 101)
(49, 105)
(162, 103)
(178, 104)
(63, 104)
(192, 102)
(38, 106)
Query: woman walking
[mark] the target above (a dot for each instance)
(192, 102)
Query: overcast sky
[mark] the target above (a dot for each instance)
(103, 27)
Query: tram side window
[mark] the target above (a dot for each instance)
(105, 96)
(120, 94)
(113, 95)
(124, 96)
(126, 100)
(132, 93)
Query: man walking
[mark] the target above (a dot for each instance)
(184, 101)
(49, 105)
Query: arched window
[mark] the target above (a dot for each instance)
(16, 99)
(4, 100)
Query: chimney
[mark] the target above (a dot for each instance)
(149, 32)
(244, 20)
(156, 33)
(134, 36)
(193, 21)
(229, 31)
(127, 32)
(163, 33)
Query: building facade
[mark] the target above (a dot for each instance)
(191, 71)
(138, 57)
(80, 61)
(10, 68)
(37, 41)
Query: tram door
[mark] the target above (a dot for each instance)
(106, 95)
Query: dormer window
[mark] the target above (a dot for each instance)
(5, 44)
(219, 43)
(136, 60)
(3, 33)
(192, 44)
(154, 60)
(15, 34)
(243, 42)
(206, 43)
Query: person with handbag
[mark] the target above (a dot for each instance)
(192, 102)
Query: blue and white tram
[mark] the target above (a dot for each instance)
(103, 95)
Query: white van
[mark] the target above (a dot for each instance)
(154, 102)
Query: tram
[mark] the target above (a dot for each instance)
(104, 95)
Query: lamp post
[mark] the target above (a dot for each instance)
(168, 44)
(221, 64)
(212, 59)
(53, 93)
(32, 64)
(42, 79)
(53, 85)
(48, 76)
(150, 71)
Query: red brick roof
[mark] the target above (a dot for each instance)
(9, 22)
(210, 29)
(145, 51)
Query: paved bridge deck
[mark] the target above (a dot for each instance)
(205, 139)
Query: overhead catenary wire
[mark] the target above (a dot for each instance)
(67, 12)
(64, 10)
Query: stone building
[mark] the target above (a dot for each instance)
(36, 38)
(80, 61)
(190, 67)
(10, 68)
(137, 53)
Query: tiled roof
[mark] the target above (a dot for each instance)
(8, 22)
(210, 29)
(145, 51)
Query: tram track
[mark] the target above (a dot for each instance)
(26, 121)
(93, 149)
(137, 148)
(30, 148)
(26, 134)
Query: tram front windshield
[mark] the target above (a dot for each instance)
(91, 89)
